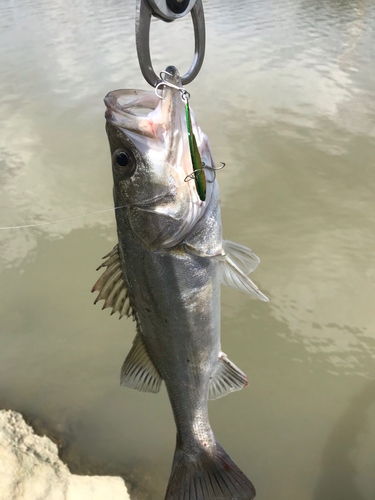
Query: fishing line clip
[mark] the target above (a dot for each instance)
(185, 96)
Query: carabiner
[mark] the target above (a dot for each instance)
(168, 12)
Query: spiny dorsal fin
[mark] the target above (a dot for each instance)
(233, 276)
(111, 286)
(226, 378)
(138, 371)
(242, 256)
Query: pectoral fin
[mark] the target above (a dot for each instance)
(227, 378)
(242, 256)
(138, 371)
(233, 276)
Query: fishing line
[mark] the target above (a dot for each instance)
(62, 220)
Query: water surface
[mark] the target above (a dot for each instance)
(286, 96)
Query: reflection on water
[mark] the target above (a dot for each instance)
(286, 96)
(338, 475)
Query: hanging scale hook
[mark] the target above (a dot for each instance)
(168, 11)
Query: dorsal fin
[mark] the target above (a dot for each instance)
(138, 371)
(226, 378)
(111, 286)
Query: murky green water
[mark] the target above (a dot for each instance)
(286, 96)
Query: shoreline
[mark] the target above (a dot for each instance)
(32, 466)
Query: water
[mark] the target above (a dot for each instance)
(286, 96)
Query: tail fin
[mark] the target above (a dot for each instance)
(209, 475)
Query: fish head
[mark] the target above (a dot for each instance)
(151, 161)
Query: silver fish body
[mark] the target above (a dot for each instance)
(178, 319)
(166, 271)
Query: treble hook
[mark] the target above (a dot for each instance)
(191, 176)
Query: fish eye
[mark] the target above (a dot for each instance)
(124, 163)
(122, 159)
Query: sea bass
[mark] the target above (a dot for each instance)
(166, 272)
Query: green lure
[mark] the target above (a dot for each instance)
(199, 175)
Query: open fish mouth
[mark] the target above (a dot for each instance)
(128, 109)
(143, 111)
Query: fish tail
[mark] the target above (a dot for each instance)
(210, 474)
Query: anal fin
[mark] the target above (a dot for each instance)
(226, 378)
(138, 371)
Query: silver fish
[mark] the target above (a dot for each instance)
(166, 272)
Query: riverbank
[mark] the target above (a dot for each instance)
(30, 468)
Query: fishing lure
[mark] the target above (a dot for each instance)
(199, 175)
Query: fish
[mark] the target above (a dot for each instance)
(166, 272)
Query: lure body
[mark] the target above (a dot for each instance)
(199, 175)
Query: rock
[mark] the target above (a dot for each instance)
(30, 469)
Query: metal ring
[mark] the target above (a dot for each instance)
(142, 33)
